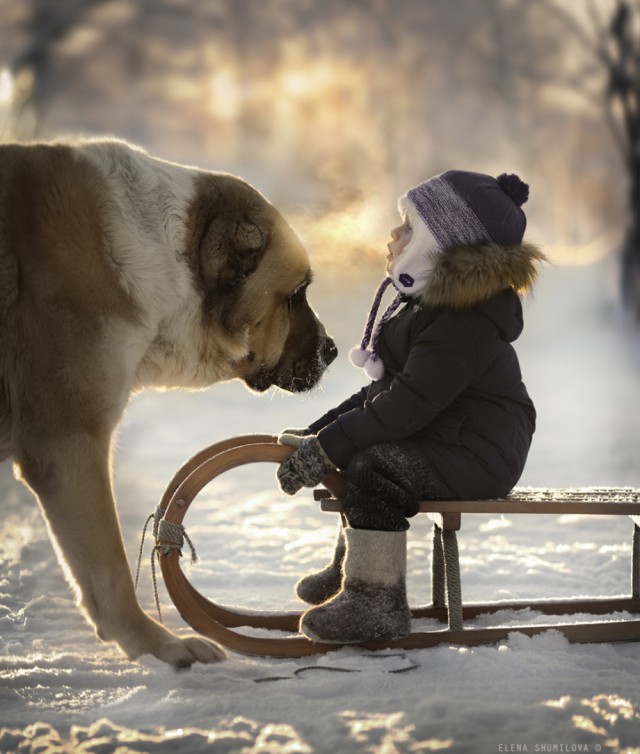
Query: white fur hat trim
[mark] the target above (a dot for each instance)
(411, 269)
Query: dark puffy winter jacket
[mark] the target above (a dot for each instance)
(453, 385)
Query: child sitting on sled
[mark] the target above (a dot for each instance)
(446, 415)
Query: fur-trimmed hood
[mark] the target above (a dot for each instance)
(456, 278)
(465, 276)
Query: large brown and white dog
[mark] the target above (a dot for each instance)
(119, 271)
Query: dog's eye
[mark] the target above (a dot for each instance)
(296, 296)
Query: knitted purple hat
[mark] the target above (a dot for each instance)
(458, 208)
(462, 208)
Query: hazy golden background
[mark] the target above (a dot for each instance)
(333, 109)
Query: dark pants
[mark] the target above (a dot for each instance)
(385, 484)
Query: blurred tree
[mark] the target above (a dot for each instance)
(331, 108)
(48, 23)
(622, 58)
(613, 42)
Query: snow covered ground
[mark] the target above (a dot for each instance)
(61, 690)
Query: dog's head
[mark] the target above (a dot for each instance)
(254, 274)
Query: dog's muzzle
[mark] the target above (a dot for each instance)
(296, 377)
(328, 351)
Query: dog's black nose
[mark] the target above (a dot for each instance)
(328, 351)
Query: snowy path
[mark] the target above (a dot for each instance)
(62, 690)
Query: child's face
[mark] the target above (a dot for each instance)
(400, 237)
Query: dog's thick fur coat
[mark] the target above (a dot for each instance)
(119, 271)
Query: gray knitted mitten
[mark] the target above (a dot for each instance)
(298, 431)
(293, 437)
(306, 467)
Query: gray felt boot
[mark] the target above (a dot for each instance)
(372, 604)
(316, 588)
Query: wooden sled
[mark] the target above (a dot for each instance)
(219, 623)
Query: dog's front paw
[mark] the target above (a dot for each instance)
(182, 653)
(150, 638)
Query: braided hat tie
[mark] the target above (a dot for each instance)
(366, 355)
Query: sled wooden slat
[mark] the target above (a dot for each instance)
(221, 623)
(588, 503)
(289, 621)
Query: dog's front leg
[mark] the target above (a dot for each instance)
(71, 478)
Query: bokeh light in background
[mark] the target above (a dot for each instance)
(333, 108)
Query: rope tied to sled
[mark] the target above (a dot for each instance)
(172, 536)
(168, 536)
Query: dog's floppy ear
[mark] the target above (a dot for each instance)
(249, 244)
(230, 252)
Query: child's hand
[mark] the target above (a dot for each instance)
(293, 437)
(306, 467)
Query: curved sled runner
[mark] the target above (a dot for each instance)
(219, 623)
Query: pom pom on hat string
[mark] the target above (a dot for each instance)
(365, 355)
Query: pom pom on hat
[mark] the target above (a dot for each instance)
(514, 187)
